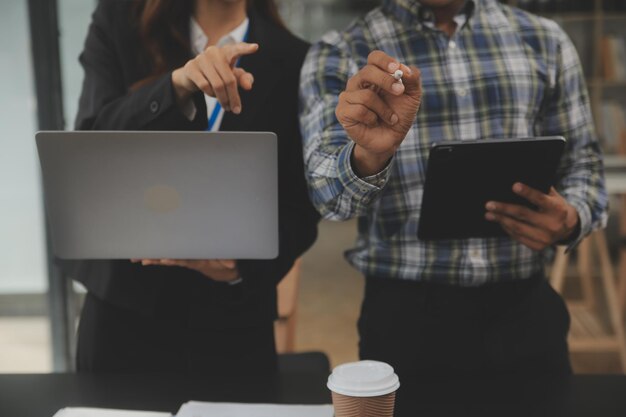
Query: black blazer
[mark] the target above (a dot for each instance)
(114, 59)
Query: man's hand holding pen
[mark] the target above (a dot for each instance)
(377, 110)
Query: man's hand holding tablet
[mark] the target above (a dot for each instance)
(554, 221)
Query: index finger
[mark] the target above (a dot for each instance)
(536, 197)
(371, 76)
(237, 50)
(383, 61)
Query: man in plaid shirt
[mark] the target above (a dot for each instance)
(475, 70)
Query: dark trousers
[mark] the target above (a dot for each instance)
(113, 339)
(428, 329)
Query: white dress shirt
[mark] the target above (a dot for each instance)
(199, 42)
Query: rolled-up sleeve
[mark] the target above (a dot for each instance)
(335, 190)
(581, 174)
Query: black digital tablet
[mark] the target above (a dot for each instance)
(462, 176)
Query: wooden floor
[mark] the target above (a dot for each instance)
(331, 293)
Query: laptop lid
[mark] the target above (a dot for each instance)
(179, 195)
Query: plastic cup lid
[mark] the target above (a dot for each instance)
(363, 379)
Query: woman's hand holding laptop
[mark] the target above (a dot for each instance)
(554, 220)
(222, 270)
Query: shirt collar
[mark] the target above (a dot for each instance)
(199, 40)
(412, 12)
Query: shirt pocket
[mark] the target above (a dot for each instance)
(511, 95)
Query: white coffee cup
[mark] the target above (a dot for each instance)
(363, 389)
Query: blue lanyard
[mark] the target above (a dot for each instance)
(213, 118)
(218, 107)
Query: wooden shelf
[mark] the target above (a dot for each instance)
(597, 83)
(615, 162)
(571, 17)
(589, 332)
(613, 16)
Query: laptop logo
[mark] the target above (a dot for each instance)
(161, 199)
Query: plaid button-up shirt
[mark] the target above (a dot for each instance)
(503, 74)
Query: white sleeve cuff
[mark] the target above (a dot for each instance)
(189, 109)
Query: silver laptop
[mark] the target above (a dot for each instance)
(178, 195)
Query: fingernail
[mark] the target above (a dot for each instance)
(393, 66)
(397, 88)
(237, 110)
(517, 188)
(490, 216)
(491, 206)
(394, 119)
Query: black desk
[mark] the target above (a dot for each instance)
(578, 396)
(43, 395)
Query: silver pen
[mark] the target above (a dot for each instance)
(398, 75)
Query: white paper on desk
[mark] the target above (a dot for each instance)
(102, 412)
(202, 409)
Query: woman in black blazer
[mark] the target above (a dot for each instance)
(141, 73)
